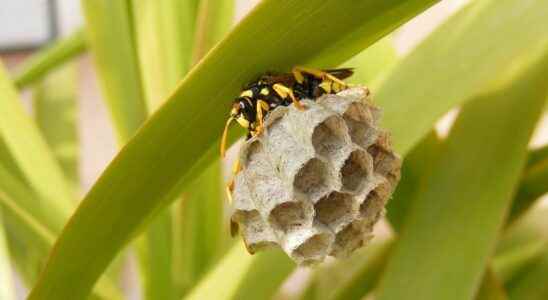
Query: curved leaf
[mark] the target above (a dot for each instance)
(55, 111)
(50, 58)
(30, 152)
(456, 62)
(450, 231)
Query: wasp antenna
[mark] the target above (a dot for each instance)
(225, 133)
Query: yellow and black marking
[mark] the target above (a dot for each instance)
(274, 89)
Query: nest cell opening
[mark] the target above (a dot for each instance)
(254, 230)
(333, 209)
(314, 248)
(348, 240)
(374, 201)
(383, 160)
(312, 179)
(356, 170)
(359, 123)
(287, 216)
(328, 136)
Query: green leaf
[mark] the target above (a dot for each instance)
(456, 62)
(366, 277)
(223, 281)
(55, 111)
(201, 223)
(110, 36)
(7, 292)
(491, 288)
(531, 283)
(415, 172)
(28, 149)
(242, 276)
(163, 153)
(30, 241)
(269, 270)
(521, 244)
(372, 64)
(50, 58)
(450, 231)
(533, 185)
(164, 34)
(213, 21)
(201, 236)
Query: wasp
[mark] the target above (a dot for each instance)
(274, 89)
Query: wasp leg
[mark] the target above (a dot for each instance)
(298, 74)
(262, 107)
(236, 168)
(285, 92)
(228, 189)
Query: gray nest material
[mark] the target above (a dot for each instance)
(316, 181)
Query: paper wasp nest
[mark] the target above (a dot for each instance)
(316, 181)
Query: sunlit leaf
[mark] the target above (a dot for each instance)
(470, 190)
(29, 151)
(50, 58)
(55, 111)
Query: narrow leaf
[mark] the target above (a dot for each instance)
(55, 111)
(531, 284)
(201, 220)
(7, 292)
(533, 185)
(50, 58)
(110, 36)
(456, 62)
(30, 152)
(212, 23)
(239, 270)
(30, 241)
(163, 39)
(164, 34)
(464, 205)
(491, 288)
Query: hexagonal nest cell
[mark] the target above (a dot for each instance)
(334, 210)
(328, 137)
(315, 187)
(312, 179)
(357, 167)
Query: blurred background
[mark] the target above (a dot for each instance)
(28, 25)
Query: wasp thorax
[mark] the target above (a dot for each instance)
(316, 181)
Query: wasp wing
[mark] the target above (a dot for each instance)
(341, 73)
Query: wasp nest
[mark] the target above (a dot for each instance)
(316, 181)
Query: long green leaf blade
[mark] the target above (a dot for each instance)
(50, 58)
(531, 284)
(449, 233)
(491, 288)
(200, 223)
(29, 150)
(30, 241)
(110, 36)
(7, 291)
(163, 41)
(55, 111)
(192, 119)
(456, 62)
